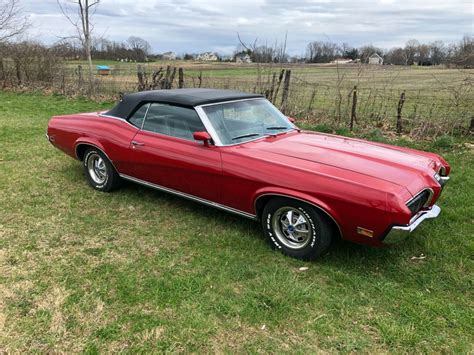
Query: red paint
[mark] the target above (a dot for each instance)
(358, 183)
(203, 137)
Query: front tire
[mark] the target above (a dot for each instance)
(99, 171)
(296, 228)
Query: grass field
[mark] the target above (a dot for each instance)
(437, 100)
(139, 270)
(365, 76)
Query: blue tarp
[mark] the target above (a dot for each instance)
(102, 67)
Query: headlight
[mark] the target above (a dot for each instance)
(442, 180)
(421, 200)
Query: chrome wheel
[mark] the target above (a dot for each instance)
(97, 168)
(292, 227)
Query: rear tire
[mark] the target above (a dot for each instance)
(296, 229)
(99, 171)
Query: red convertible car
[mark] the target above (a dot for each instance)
(237, 152)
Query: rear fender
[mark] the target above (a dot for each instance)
(88, 142)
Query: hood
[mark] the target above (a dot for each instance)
(392, 164)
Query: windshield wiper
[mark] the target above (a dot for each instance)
(278, 127)
(246, 135)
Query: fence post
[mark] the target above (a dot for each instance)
(311, 100)
(180, 78)
(286, 89)
(200, 79)
(354, 107)
(141, 78)
(63, 82)
(80, 79)
(171, 79)
(280, 78)
(272, 90)
(399, 112)
(164, 84)
(156, 78)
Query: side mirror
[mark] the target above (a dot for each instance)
(292, 119)
(202, 136)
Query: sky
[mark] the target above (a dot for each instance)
(196, 26)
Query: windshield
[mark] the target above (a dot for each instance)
(241, 121)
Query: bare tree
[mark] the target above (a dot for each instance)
(11, 21)
(437, 52)
(396, 56)
(411, 50)
(424, 54)
(264, 53)
(465, 53)
(140, 47)
(84, 9)
(321, 52)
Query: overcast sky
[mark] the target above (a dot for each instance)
(211, 25)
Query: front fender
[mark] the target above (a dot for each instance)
(315, 202)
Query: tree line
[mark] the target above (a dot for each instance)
(413, 52)
(134, 49)
(85, 45)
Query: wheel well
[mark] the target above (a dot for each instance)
(81, 150)
(262, 201)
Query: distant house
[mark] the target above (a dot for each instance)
(208, 57)
(342, 61)
(103, 69)
(169, 56)
(375, 59)
(243, 58)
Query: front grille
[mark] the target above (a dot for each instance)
(419, 201)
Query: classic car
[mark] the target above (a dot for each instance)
(237, 152)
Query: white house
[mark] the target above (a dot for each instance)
(169, 56)
(243, 58)
(208, 57)
(375, 59)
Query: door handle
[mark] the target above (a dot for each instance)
(135, 143)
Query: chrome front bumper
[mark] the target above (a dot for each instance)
(398, 233)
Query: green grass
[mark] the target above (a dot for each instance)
(139, 270)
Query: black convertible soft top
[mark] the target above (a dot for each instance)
(181, 97)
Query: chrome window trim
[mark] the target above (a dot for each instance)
(209, 127)
(118, 118)
(162, 135)
(146, 114)
(167, 135)
(213, 133)
(230, 101)
(189, 196)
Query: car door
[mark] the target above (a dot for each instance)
(164, 152)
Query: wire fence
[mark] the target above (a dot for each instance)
(429, 111)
